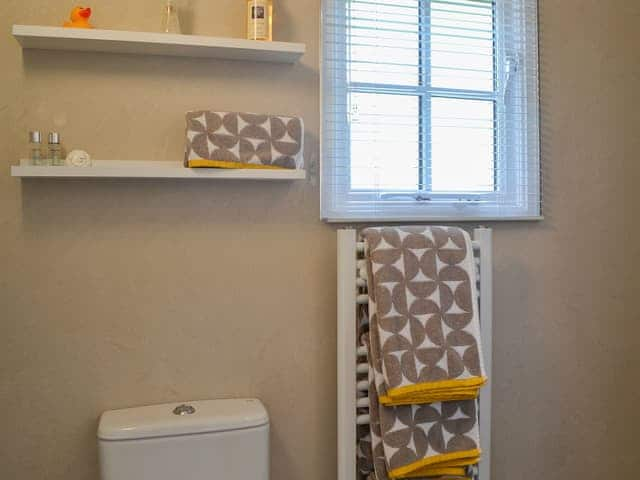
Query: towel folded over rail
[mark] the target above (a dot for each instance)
(243, 140)
(423, 349)
(423, 441)
(423, 295)
(436, 440)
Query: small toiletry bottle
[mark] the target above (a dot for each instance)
(55, 150)
(170, 19)
(260, 19)
(37, 155)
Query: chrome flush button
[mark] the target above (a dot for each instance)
(184, 410)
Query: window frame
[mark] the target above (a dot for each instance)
(505, 202)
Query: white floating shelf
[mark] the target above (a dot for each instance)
(149, 43)
(151, 169)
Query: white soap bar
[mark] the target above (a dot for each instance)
(78, 158)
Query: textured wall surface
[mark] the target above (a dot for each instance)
(123, 293)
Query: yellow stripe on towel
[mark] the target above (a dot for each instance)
(457, 472)
(203, 163)
(430, 392)
(425, 467)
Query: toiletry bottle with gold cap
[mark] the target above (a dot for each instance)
(260, 19)
(37, 154)
(55, 150)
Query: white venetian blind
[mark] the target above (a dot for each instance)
(430, 110)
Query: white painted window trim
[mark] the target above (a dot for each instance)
(518, 175)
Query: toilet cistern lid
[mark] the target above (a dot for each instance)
(182, 418)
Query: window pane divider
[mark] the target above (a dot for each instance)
(386, 88)
(424, 166)
(462, 94)
(421, 90)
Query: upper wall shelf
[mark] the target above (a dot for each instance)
(148, 43)
(151, 169)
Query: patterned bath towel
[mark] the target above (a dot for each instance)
(423, 310)
(243, 140)
(437, 440)
(428, 440)
(373, 476)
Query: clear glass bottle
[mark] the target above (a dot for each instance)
(260, 20)
(170, 19)
(55, 150)
(37, 154)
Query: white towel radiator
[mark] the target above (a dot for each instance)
(351, 292)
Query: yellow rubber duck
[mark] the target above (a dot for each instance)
(79, 18)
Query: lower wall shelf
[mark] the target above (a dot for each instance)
(151, 169)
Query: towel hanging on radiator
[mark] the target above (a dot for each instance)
(426, 441)
(422, 285)
(425, 363)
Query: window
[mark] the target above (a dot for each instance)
(430, 110)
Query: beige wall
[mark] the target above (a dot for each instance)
(120, 293)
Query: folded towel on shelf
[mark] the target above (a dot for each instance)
(243, 140)
(423, 311)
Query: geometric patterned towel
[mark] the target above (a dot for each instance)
(419, 441)
(423, 310)
(373, 476)
(243, 140)
(423, 441)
